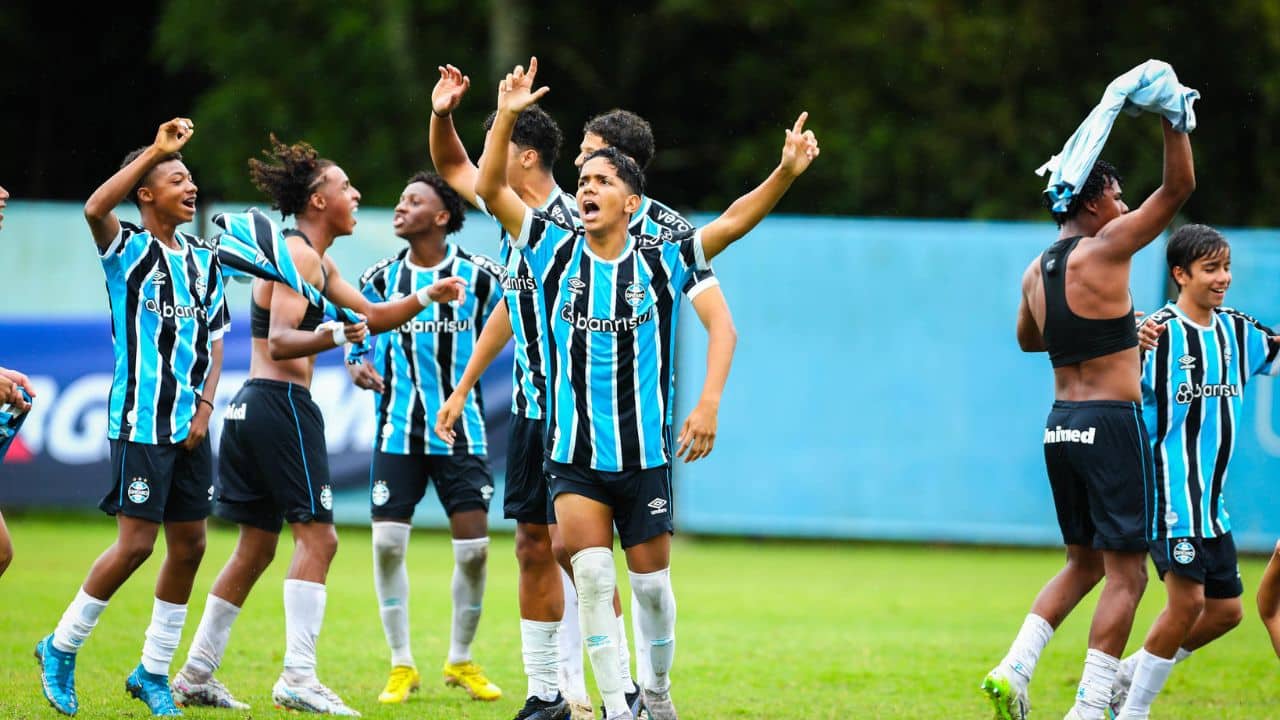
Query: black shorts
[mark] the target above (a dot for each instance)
(160, 483)
(398, 482)
(1210, 562)
(1100, 469)
(526, 498)
(272, 462)
(641, 499)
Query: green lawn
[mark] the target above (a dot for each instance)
(766, 630)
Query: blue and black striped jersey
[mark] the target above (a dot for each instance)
(1192, 392)
(422, 361)
(167, 309)
(612, 341)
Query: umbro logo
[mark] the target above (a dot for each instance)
(576, 285)
(659, 506)
(158, 278)
(1187, 362)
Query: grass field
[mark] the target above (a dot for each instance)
(766, 630)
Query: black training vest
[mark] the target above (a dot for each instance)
(260, 317)
(1070, 338)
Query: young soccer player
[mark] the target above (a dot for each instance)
(1192, 392)
(273, 466)
(10, 382)
(1269, 598)
(610, 302)
(419, 366)
(1076, 306)
(168, 316)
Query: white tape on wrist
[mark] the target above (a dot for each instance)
(336, 329)
(423, 298)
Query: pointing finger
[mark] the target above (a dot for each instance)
(799, 126)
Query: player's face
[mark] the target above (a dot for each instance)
(1110, 205)
(170, 191)
(419, 210)
(4, 196)
(1208, 280)
(341, 199)
(591, 142)
(603, 199)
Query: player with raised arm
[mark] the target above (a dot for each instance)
(1076, 306)
(1192, 393)
(610, 301)
(12, 384)
(419, 366)
(273, 466)
(168, 315)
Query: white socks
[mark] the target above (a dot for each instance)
(541, 650)
(571, 676)
(210, 641)
(624, 656)
(163, 635)
(654, 612)
(1094, 692)
(1148, 680)
(596, 579)
(1025, 651)
(469, 558)
(391, 582)
(303, 615)
(77, 622)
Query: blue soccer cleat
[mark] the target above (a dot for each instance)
(57, 676)
(153, 690)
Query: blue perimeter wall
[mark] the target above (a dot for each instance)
(877, 390)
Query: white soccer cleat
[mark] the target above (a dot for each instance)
(314, 698)
(206, 694)
(1007, 696)
(1119, 691)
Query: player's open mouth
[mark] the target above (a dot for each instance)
(589, 209)
(189, 203)
(397, 221)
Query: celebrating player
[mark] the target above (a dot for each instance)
(1192, 393)
(610, 302)
(168, 316)
(420, 365)
(273, 466)
(1076, 306)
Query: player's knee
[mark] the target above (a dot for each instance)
(6, 555)
(1088, 565)
(594, 575)
(387, 548)
(533, 550)
(653, 591)
(189, 553)
(471, 555)
(1230, 615)
(134, 550)
(322, 546)
(561, 553)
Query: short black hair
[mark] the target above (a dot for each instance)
(1099, 178)
(133, 192)
(289, 175)
(451, 199)
(1190, 243)
(626, 131)
(628, 170)
(534, 130)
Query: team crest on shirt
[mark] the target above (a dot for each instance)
(210, 493)
(380, 493)
(635, 294)
(326, 497)
(1187, 362)
(200, 284)
(139, 491)
(1184, 552)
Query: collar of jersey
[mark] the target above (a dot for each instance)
(449, 251)
(182, 243)
(1187, 318)
(626, 251)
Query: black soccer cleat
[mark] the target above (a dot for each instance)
(538, 709)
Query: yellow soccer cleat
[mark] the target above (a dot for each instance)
(403, 680)
(470, 677)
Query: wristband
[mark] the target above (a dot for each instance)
(423, 297)
(335, 328)
(201, 399)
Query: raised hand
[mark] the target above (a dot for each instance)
(800, 148)
(1149, 334)
(515, 92)
(174, 134)
(449, 90)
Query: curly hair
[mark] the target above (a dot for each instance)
(626, 131)
(534, 130)
(451, 199)
(133, 192)
(627, 168)
(1099, 178)
(289, 176)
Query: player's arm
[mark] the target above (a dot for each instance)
(284, 340)
(383, 316)
(698, 435)
(204, 401)
(496, 334)
(1030, 337)
(447, 151)
(798, 151)
(1133, 230)
(515, 93)
(99, 210)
